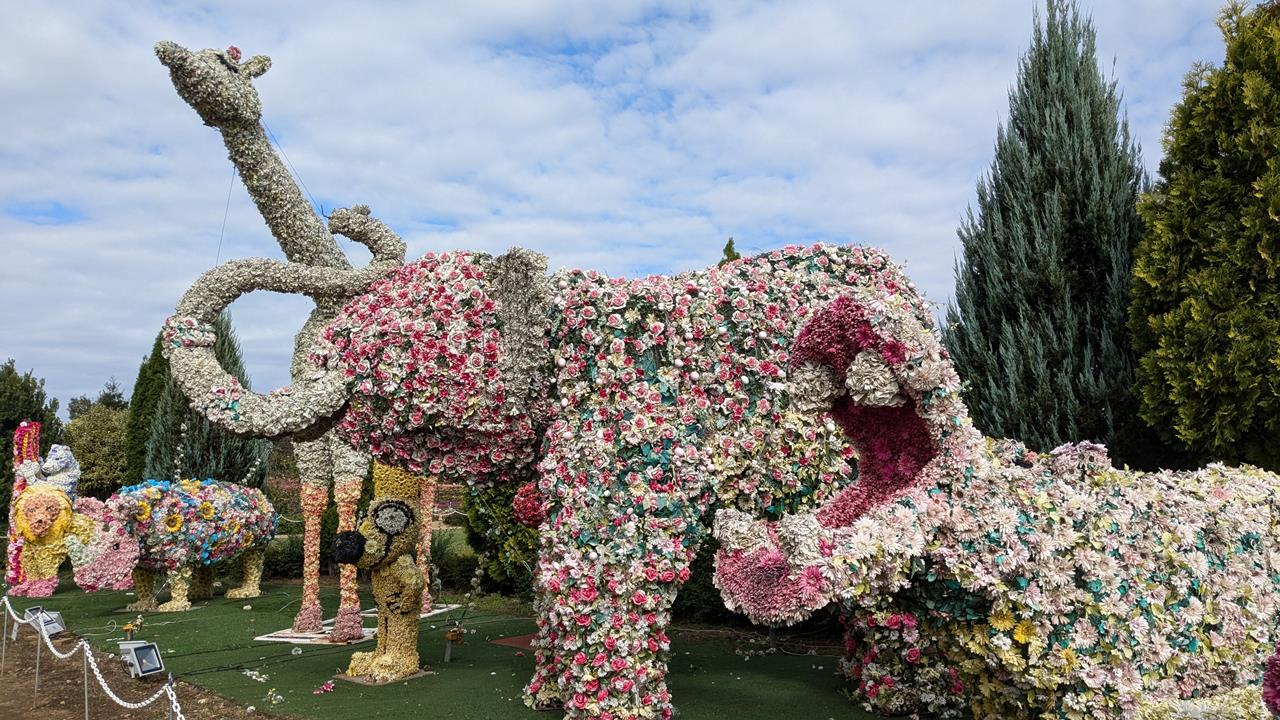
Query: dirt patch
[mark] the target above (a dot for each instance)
(61, 695)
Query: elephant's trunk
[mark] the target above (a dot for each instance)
(309, 405)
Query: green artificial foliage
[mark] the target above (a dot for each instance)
(508, 550)
(699, 599)
(97, 438)
(1205, 312)
(1038, 326)
(206, 450)
(147, 389)
(22, 397)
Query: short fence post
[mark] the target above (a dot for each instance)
(85, 650)
(38, 644)
(4, 639)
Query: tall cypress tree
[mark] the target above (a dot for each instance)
(1206, 298)
(1037, 329)
(147, 389)
(207, 451)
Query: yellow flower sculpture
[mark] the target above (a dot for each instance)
(173, 523)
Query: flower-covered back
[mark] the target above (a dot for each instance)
(423, 354)
(191, 522)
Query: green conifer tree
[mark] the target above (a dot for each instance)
(1206, 300)
(207, 451)
(1037, 328)
(147, 389)
(730, 253)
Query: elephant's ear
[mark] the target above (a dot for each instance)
(520, 285)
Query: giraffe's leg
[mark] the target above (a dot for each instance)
(315, 468)
(426, 504)
(349, 469)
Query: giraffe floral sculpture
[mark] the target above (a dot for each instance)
(218, 86)
(982, 578)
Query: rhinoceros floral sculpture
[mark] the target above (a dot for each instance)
(179, 530)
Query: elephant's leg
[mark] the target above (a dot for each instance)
(315, 469)
(349, 470)
(179, 589)
(144, 589)
(249, 587)
(201, 583)
(426, 505)
(620, 535)
(543, 691)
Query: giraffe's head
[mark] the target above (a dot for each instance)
(215, 82)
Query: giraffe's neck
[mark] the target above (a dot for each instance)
(294, 223)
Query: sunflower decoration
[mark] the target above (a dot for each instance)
(144, 511)
(1025, 632)
(1002, 620)
(173, 523)
(206, 510)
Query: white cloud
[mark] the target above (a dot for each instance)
(631, 137)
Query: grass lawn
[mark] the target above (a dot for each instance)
(213, 643)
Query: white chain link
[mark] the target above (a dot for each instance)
(83, 646)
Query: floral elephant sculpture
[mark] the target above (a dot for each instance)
(176, 529)
(981, 579)
(640, 406)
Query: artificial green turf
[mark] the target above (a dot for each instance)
(211, 645)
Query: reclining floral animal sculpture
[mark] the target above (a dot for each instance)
(383, 545)
(175, 530)
(41, 516)
(645, 405)
(981, 577)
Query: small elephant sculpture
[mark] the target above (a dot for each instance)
(179, 529)
(384, 544)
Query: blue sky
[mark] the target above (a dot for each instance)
(630, 137)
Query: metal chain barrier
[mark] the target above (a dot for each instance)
(90, 663)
